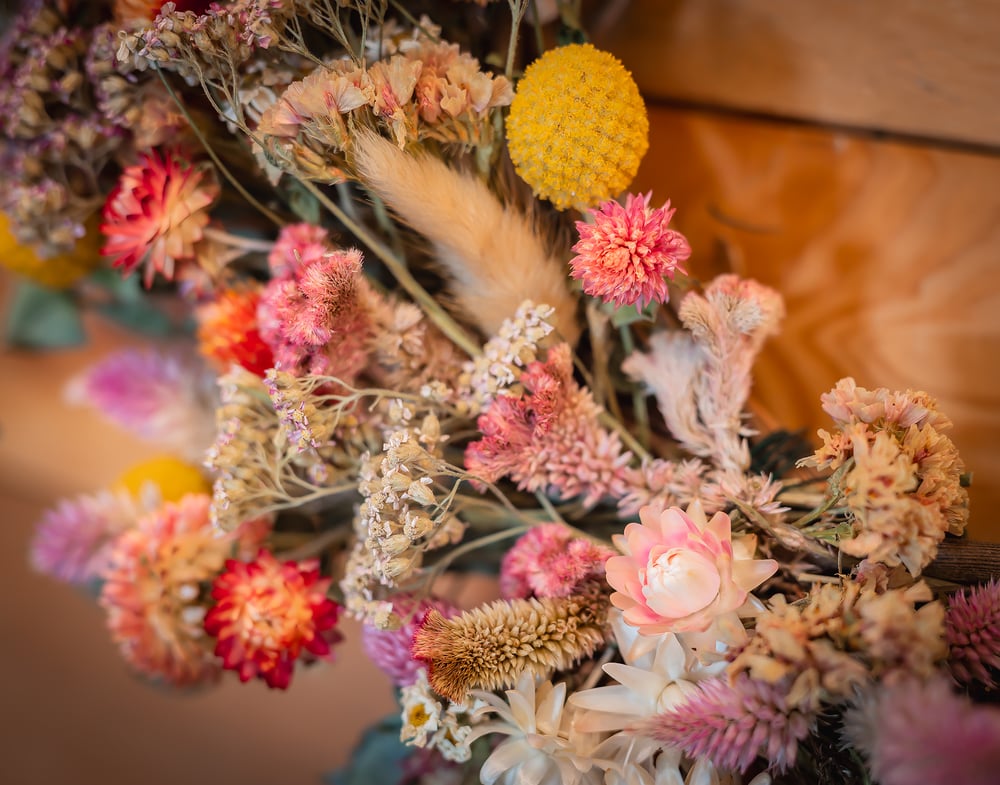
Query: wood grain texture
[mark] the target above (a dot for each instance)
(907, 66)
(887, 255)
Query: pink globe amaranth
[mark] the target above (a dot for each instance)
(678, 572)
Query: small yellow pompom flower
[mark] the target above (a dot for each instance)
(577, 128)
(172, 477)
(58, 272)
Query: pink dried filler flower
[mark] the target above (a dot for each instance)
(549, 561)
(625, 254)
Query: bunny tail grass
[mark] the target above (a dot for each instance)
(493, 257)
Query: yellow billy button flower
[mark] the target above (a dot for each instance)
(57, 272)
(172, 477)
(577, 128)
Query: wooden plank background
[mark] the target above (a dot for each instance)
(928, 68)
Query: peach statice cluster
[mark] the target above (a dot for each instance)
(427, 332)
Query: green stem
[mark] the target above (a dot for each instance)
(639, 400)
(627, 438)
(467, 547)
(517, 9)
(267, 212)
(434, 312)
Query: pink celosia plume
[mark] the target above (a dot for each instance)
(732, 723)
(922, 732)
(549, 438)
(312, 313)
(972, 624)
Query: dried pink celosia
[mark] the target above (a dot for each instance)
(915, 731)
(550, 561)
(312, 315)
(732, 723)
(626, 253)
(679, 573)
(549, 438)
(972, 625)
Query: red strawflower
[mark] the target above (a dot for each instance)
(626, 252)
(156, 213)
(228, 331)
(268, 613)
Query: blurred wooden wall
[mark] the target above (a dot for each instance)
(847, 154)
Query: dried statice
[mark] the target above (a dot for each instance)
(904, 485)
(840, 636)
(805, 646)
(56, 145)
(427, 90)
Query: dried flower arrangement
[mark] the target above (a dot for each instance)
(435, 335)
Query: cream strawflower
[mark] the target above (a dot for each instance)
(539, 750)
(650, 681)
(679, 573)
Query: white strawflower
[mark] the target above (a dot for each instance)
(540, 749)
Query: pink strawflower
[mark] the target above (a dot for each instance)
(915, 732)
(155, 588)
(678, 572)
(164, 397)
(314, 319)
(268, 614)
(390, 649)
(74, 539)
(627, 252)
(732, 724)
(550, 561)
(549, 438)
(972, 625)
(298, 244)
(156, 213)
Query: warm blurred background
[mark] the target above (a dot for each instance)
(845, 154)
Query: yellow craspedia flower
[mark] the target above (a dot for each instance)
(577, 128)
(57, 272)
(173, 477)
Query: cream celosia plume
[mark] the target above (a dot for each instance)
(492, 646)
(493, 256)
